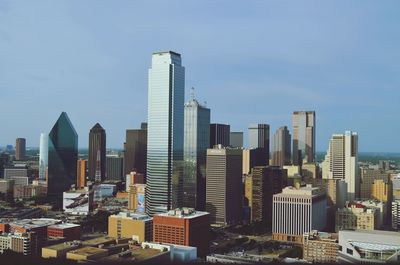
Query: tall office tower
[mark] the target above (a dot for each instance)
(196, 142)
(20, 148)
(367, 178)
(43, 156)
(97, 146)
(135, 151)
(165, 133)
(224, 185)
(236, 139)
(81, 174)
(303, 137)
(341, 162)
(266, 181)
(253, 158)
(281, 148)
(220, 134)
(114, 166)
(259, 139)
(297, 211)
(63, 156)
(396, 215)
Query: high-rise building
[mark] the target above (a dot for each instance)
(259, 139)
(297, 211)
(196, 142)
(252, 158)
(281, 148)
(382, 190)
(303, 137)
(396, 214)
(341, 162)
(114, 167)
(236, 139)
(81, 174)
(20, 148)
(367, 178)
(266, 181)
(220, 134)
(224, 185)
(63, 156)
(185, 227)
(43, 156)
(165, 133)
(97, 146)
(135, 151)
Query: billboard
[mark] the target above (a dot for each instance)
(140, 201)
(77, 202)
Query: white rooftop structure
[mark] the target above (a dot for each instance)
(183, 213)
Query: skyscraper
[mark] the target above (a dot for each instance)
(81, 174)
(281, 147)
(135, 151)
(20, 148)
(303, 137)
(341, 162)
(43, 156)
(114, 166)
(224, 185)
(196, 142)
(236, 139)
(165, 133)
(259, 139)
(63, 156)
(220, 134)
(97, 146)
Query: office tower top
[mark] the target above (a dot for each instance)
(166, 94)
(43, 156)
(236, 139)
(341, 162)
(20, 148)
(196, 142)
(259, 136)
(281, 147)
(63, 156)
(303, 137)
(135, 151)
(219, 134)
(97, 152)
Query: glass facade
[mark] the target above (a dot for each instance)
(43, 155)
(63, 155)
(97, 146)
(196, 142)
(165, 133)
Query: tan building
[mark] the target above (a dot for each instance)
(310, 171)
(320, 247)
(131, 225)
(293, 170)
(367, 178)
(381, 190)
(81, 174)
(303, 137)
(357, 216)
(87, 253)
(60, 250)
(136, 198)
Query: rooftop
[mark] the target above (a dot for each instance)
(302, 191)
(371, 236)
(183, 213)
(132, 216)
(65, 245)
(88, 251)
(98, 241)
(64, 225)
(35, 223)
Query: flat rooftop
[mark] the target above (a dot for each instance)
(88, 251)
(35, 223)
(144, 254)
(132, 216)
(372, 236)
(64, 246)
(187, 213)
(98, 241)
(302, 191)
(64, 226)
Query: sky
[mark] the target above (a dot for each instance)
(252, 62)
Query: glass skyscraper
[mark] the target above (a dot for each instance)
(196, 142)
(303, 137)
(97, 147)
(165, 133)
(43, 155)
(63, 155)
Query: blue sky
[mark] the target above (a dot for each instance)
(257, 61)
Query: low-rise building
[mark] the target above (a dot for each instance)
(363, 246)
(68, 231)
(320, 247)
(131, 225)
(87, 253)
(60, 250)
(356, 216)
(396, 215)
(23, 243)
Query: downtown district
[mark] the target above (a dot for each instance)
(184, 189)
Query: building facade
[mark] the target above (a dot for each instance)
(135, 151)
(281, 149)
(220, 134)
(97, 153)
(236, 139)
(20, 148)
(43, 155)
(320, 247)
(224, 185)
(165, 133)
(259, 139)
(131, 225)
(114, 167)
(63, 156)
(196, 142)
(303, 137)
(81, 174)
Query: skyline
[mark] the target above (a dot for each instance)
(285, 57)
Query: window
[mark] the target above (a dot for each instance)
(349, 251)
